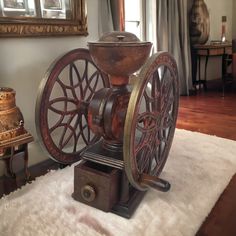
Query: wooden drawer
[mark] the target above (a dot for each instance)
(228, 50)
(202, 52)
(216, 51)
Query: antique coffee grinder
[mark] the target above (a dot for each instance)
(88, 109)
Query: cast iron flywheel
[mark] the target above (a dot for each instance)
(150, 122)
(62, 102)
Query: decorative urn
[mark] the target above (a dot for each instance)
(199, 23)
(11, 118)
(14, 138)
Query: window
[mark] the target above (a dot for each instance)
(133, 17)
(140, 19)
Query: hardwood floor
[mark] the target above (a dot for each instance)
(210, 113)
(9, 184)
(207, 112)
(221, 220)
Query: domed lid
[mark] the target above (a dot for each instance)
(118, 38)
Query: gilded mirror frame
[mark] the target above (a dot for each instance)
(31, 27)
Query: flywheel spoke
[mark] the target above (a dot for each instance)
(151, 119)
(62, 105)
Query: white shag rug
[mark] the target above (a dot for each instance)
(199, 168)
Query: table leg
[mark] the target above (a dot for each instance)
(194, 59)
(26, 157)
(8, 164)
(199, 71)
(205, 73)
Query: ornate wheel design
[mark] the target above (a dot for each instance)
(61, 109)
(151, 120)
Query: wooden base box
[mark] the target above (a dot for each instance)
(96, 185)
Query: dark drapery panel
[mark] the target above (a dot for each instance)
(167, 27)
(118, 14)
(173, 36)
(105, 21)
(172, 33)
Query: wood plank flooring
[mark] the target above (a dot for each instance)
(210, 113)
(221, 220)
(9, 184)
(207, 112)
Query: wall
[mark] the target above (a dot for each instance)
(234, 20)
(217, 9)
(24, 61)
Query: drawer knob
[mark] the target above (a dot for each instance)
(88, 193)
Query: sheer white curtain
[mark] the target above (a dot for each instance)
(110, 15)
(105, 20)
(167, 27)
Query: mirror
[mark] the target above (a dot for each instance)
(21, 18)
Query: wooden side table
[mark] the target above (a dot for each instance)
(15, 147)
(206, 51)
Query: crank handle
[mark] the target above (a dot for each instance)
(155, 182)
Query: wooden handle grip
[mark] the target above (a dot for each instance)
(155, 182)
